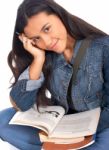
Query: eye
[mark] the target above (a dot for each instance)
(47, 29)
(36, 39)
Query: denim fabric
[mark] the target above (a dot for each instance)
(31, 84)
(92, 84)
(22, 137)
(101, 142)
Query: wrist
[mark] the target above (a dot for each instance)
(38, 60)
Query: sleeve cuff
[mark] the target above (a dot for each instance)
(31, 84)
(24, 75)
(35, 84)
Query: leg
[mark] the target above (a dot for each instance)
(22, 137)
(102, 141)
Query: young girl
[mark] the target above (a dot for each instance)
(46, 41)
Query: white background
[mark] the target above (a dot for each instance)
(94, 11)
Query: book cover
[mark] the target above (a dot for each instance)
(88, 140)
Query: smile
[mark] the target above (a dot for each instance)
(53, 46)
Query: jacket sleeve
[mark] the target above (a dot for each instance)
(104, 118)
(24, 93)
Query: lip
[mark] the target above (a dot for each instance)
(54, 44)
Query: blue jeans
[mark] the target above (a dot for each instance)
(26, 138)
(102, 141)
(22, 137)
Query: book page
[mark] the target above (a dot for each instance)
(46, 119)
(76, 125)
(89, 140)
(44, 138)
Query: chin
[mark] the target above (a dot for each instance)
(59, 50)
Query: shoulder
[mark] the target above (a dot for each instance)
(101, 41)
(104, 44)
(100, 45)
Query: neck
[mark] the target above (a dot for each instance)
(68, 52)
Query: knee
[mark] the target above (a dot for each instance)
(5, 116)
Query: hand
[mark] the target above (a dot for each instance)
(29, 46)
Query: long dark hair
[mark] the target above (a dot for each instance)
(19, 59)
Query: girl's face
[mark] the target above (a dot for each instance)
(47, 32)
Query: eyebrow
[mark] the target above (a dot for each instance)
(40, 30)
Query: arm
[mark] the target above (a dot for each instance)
(24, 93)
(104, 118)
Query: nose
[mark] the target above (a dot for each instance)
(47, 41)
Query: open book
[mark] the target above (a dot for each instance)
(58, 127)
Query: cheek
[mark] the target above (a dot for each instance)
(63, 35)
(62, 45)
(60, 31)
(41, 45)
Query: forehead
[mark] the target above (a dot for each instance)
(36, 22)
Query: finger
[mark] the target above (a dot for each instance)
(20, 38)
(33, 43)
(24, 40)
(27, 44)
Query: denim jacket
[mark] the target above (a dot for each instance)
(92, 83)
